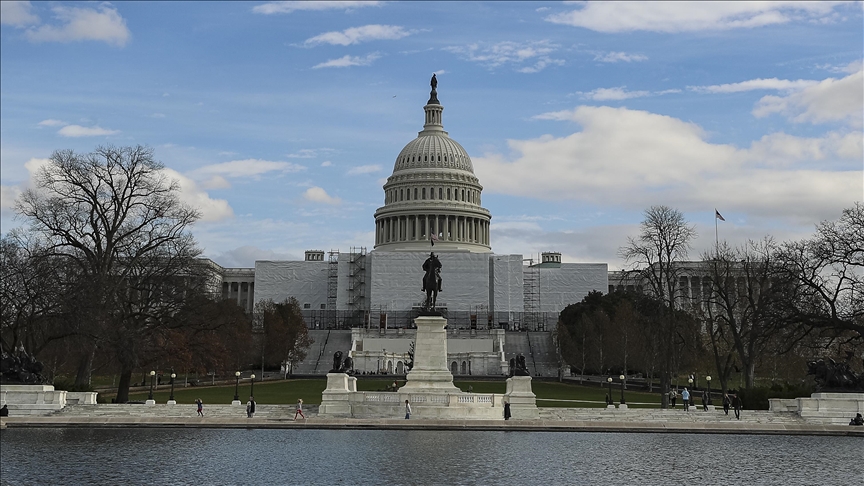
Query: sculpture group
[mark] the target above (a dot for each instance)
(342, 366)
(833, 376)
(20, 367)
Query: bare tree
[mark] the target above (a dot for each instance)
(826, 276)
(663, 242)
(115, 216)
(741, 301)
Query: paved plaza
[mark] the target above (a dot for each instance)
(551, 419)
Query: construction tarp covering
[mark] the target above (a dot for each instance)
(397, 280)
(305, 281)
(506, 290)
(560, 287)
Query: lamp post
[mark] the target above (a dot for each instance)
(621, 377)
(237, 388)
(252, 386)
(609, 380)
(150, 400)
(171, 400)
(692, 391)
(708, 379)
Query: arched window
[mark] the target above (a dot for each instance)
(424, 193)
(440, 193)
(415, 193)
(448, 193)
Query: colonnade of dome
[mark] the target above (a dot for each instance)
(432, 191)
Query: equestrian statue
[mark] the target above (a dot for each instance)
(431, 281)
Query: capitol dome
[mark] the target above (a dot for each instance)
(433, 194)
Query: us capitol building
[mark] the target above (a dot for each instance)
(364, 301)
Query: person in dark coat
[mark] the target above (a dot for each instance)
(726, 403)
(736, 404)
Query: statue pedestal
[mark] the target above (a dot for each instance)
(32, 399)
(430, 373)
(622, 406)
(336, 398)
(523, 402)
(822, 408)
(150, 402)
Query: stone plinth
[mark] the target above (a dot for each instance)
(430, 373)
(523, 402)
(336, 398)
(81, 398)
(822, 408)
(32, 399)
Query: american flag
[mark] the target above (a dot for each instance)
(718, 215)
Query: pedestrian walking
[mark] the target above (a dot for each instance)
(299, 410)
(705, 400)
(407, 410)
(685, 397)
(726, 403)
(250, 408)
(506, 410)
(200, 407)
(736, 404)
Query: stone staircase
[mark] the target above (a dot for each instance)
(286, 412)
(272, 412)
(653, 415)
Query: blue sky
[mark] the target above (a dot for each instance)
(282, 120)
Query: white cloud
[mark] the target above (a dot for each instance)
(79, 131)
(364, 169)
(246, 168)
(77, 24)
(288, 7)
(8, 194)
(51, 123)
(637, 159)
(193, 195)
(829, 100)
(18, 14)
(755, 84)
(347, 61)
(507, 52)
(326, 163)
(316, 194)
(356, 35)
(620, 93)
(671, 17)
(310, 153)
(157, 115)
(619, 56)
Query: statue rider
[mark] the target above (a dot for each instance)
(433, 265)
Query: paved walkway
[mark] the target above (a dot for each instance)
(551, 419)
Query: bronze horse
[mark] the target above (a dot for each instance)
(431, 280)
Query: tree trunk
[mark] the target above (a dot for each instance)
(82, 376)
(123, 386)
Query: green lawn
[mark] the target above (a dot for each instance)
(549, 394)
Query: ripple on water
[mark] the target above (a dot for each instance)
(381, 457)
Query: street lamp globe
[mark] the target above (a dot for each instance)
(152, 380)
(609, 379)
(236, 388)
(173, 375)
(621, 377)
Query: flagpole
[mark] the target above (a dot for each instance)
(716, 238)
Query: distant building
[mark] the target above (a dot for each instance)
(432, 202)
